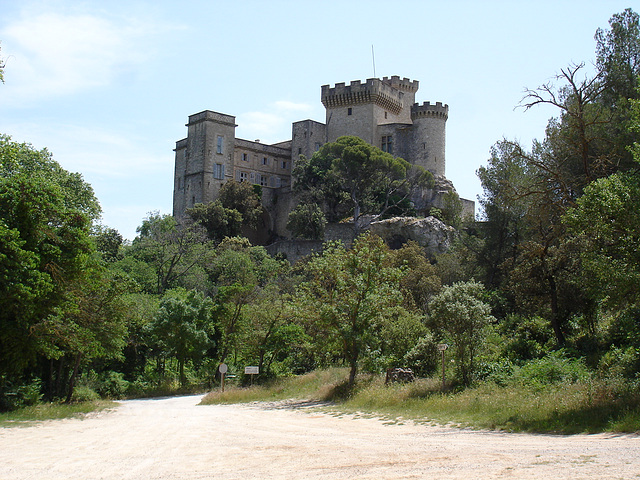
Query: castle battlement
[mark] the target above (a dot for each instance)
(373, 90)
(212, 116)
(428, 110)
(404, 85)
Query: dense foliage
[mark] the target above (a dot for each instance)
(544, 288)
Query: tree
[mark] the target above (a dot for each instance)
(618, 56)
(183, 326)
(244, 198)
(109, 243)
(238, 272)
(352, 176)
(349, 295)
(307, 221)
(173, 250)
(272, 328)
(44, 248)
(237, 207)
(89, 325)
(606, 219)
(218, 221)
(22, 159)
(460, 314)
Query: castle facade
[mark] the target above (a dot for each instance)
(383, 112)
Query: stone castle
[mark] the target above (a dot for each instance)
(382, 112)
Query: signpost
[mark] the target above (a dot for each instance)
(442, 347)
(223, 370)
(251, 371)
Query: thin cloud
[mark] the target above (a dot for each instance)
(273, 125)
(55, 54)
(92, 151)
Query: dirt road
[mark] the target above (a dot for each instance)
(172, 438)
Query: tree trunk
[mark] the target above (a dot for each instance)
(353, 362)
(555, 314)
(72, 379)
(183, 380)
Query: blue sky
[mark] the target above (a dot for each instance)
(107, 86)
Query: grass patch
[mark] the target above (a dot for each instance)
(51, 411)
(317, 385)
(562, 408)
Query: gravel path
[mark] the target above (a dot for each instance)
(172, 438)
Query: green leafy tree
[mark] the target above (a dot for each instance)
(44, 247)
(183, 327)
(350, 175)
(238, 272)
(174, 251)
(244, 198)
(349, 295)
(89, 325)
(461, 315)
(237, 208)
(219, 221)
(307, 221)
(109, 243)
(618, 56)
(273, 331)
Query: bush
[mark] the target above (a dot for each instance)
(84, 393)
(21, 396)
(551, 369)
(113, 385)
(424, 357)
(107, 384)
(620, 362)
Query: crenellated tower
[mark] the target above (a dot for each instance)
(429, 127)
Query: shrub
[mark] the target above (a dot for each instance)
(423, 358)
(84, 393)
(551, 369)
(21, 396)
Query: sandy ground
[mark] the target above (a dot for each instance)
(173, 438)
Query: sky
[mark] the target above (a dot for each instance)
(107, 86)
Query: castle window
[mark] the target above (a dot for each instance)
(387, 144)
(385, 115)
(263, 180)
(318, 145)
(245, 157)
(284, 164)
(349, 111)
(265, 160)
(276, 182)
(243, 177)
(218, 171)
(220, 146)
(299, 151)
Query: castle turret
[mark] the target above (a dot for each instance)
(204, 159)
(358, 108)
(428, 146)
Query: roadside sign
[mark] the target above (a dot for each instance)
(251, 370)
(223, 368)
(442, 347)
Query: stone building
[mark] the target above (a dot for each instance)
(383, 112)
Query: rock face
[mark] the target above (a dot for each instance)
(430, 233)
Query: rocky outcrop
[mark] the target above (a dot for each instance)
(430, 233)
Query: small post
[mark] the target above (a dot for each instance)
(442, 347)
(223, 370)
